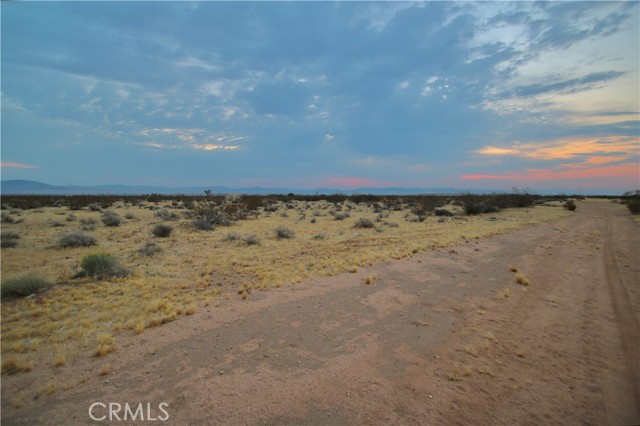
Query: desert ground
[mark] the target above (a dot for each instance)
(524, 316)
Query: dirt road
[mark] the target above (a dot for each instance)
(447, 337)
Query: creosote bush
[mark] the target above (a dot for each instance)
(570, 205)
(162, 230)
(101, 265)
(76, 239)
(23, 285)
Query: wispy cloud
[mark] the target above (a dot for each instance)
(10, 165)
(567, 148)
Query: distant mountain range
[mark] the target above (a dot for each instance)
(28, 187)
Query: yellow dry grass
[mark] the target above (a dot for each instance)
(196, 267)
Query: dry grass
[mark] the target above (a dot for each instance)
(197, 267)
(521, 279)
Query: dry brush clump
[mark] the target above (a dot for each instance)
(76, 239)
(282, 232)
(110, 218)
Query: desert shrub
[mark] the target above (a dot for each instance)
(55, 223)
(443, 212)
(320, 236)
(165, 214)
(9, 239)
(251, 239)
(570, 205)
(211, 213)
(232, 236)
(202, 224)
(340, 215)
(284, 232)
(23, 285)
(149, 249)
(88, 224)
(71, 217)
(94, 208)
(101, 265)
(633, 204)
(111, 219)
(162, 230)
(7, 218)
(391, 224)
(76, 239)
(129, 216)
(363, 222)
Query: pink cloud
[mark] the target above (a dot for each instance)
(628, 171)
(9, 165)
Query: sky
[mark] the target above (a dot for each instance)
(468, 95)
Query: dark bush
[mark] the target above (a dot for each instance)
(24, 285)
(443, 212)
(9, 239)
(570, 205)
(162, 230)
(101, 265)
(634, 205)
(76, 239)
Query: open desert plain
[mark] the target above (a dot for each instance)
(322, 312)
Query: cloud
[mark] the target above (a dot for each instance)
(10, 165)
(627, 171)
(586, 82)
(566, 148)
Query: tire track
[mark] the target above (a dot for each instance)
(629, 326)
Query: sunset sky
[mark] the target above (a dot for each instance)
(319, 94)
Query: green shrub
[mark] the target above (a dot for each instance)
(162, 230)
(24, 285)
(101, 265)
(76, 239)
(570, 205)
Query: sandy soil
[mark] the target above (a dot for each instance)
(447, 337)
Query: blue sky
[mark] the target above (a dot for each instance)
(322, 94)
